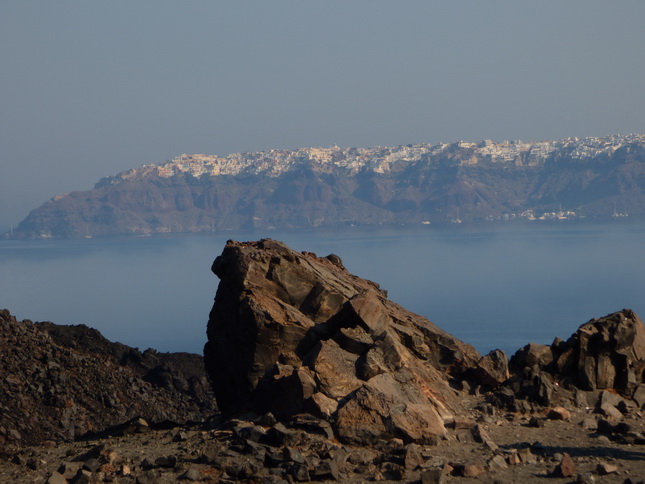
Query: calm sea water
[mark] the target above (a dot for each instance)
(494, 286)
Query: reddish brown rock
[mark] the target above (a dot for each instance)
(335, 370)
(514, 459)
(497, 462)
(558, 413)
(566, 467)
(527, 456)
(473, 470)
(320, 405)
(289, 326)
(492, 370)
(384, 407)
(604, 469)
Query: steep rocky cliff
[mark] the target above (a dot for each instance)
(314, 187)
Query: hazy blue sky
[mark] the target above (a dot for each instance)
(89, 89)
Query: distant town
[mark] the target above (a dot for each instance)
(384, 159)
(461, 182)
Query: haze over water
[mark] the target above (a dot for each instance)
(494, 285)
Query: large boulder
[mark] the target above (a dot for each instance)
(292, 332)
(608, 352)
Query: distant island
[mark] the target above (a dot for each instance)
(458, 182)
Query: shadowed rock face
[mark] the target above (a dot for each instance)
(292, 332)
(606, 353)
(62, 382)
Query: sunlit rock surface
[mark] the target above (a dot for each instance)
(292, 332)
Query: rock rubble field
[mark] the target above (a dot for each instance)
(311, 374)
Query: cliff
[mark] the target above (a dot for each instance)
(313, 187)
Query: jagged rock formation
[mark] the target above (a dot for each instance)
(313, 187)
(292, 332)
(61, 382)
(604, 354)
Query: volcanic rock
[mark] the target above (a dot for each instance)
(566, 467)
(473, 470)
(292, 331)
(639, 395)
(492, 370)
(605, 469)
(532, 354)
(62, 382)
(608, 351)
(558, 413)
(604, 354)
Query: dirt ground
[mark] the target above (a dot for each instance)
(514, 450)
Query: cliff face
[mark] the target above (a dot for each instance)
(338, 186)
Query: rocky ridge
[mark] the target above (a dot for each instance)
(327, 187)
(60, 383)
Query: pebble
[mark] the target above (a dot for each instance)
(56, 478)
(558, 413)
(586, 478)
(192, 474)
(603, 439)
(497, 462)
(605, 468)
(473, 470)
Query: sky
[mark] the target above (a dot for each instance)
(89, 89)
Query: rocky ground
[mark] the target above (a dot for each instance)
(488, 446)
(319, 378)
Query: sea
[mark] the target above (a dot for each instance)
(495, 285)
